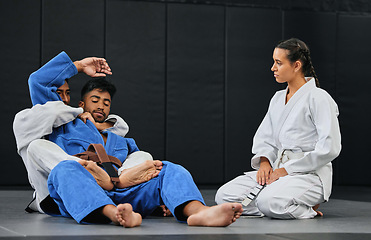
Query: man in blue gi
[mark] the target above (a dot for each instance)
(76, 191)
(31, 125)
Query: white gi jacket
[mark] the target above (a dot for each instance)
(303, 136)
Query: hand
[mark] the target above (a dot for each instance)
(264, 172)
(166, 212)
(93, 67)
(86, 116)
(280, 172)
(100, 126)
(101, 176)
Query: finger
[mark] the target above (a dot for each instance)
(258, 177)
(156, 174)
(82, 162)
(157, 163)
(262, 180)
(267, 178)
(107, 71)
(82, 117)
(99, 75)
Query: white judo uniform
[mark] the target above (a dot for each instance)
(302, 136)
(40, 156)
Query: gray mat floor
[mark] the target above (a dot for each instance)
(347, 216)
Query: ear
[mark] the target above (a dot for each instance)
(297, 66)
(81, 104)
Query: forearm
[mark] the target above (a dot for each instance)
(38, 121)
(44, 82)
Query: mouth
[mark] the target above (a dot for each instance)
(99, 114)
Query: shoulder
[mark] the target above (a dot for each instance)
(320, 98)
(321, 95)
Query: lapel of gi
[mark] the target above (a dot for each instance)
(306, 88)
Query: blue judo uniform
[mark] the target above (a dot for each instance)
(73, 188)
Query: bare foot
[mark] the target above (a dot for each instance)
(122, 215)
(126, 217)
(319, 213)
(140, 173)
(101, 176)
(216, 216)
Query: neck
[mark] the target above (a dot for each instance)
(295, 85)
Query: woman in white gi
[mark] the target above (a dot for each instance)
(293, 146)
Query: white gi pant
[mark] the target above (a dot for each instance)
(44, 155)
(289, 197)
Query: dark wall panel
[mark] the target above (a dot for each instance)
(251, 37)
(353, 90)
(136, 50)
(318, 31)
(76, 27)
(195, 89)
(20, 41)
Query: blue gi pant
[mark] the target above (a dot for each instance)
(77, 194)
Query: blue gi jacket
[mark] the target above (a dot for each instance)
(73, 137)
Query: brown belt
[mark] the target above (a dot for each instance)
(97, 153)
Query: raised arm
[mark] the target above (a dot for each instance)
(45, 81)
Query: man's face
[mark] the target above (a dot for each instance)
(97, 103)
(64, 93)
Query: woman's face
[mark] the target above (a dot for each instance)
(283, 69)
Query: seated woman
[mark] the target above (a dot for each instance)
(294, 145)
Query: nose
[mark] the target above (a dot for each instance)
(100, 105)
(273, 68)
(63, 95)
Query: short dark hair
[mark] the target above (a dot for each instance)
(98, 83)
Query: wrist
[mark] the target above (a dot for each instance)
(78, 66)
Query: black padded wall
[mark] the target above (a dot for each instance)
(195, 84)
(20, 55)
(193, 77)
(353, 87)
(249, 82)
(136, 52)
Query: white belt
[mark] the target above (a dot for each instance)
(285, 156)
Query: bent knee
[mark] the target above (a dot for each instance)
(275, 207)
(66, 167)
(226, 193)
(35, 146)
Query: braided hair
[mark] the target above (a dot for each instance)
(299, 51)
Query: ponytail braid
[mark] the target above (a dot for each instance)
(298, 50)
(309, 69)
